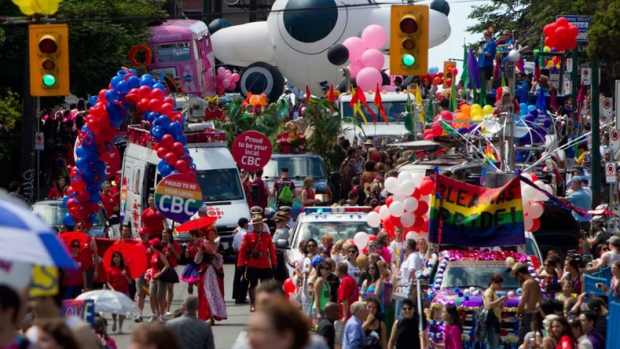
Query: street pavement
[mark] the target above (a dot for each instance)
(225, 332)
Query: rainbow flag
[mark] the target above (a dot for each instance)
(471, 216)
(489, 154)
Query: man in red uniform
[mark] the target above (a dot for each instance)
(108, 199)
(145, 245)
(153, 220)
(213, 112)
(257, 255)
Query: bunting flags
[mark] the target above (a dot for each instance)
(525, 95)
(536, 68)
(362, 98)
(429, 107)
(472, 69)
(483, 89)
(453, 105)
(541, 104)
(379, 105)
(356, 106)
(553, 103)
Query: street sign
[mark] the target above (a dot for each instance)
(586, 76)
(251, 150)
(606, 107)
(178, 196)
(582, 23)
(39, 141)
(614, 139)
(610, 172)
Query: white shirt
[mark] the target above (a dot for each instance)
(401, 251)
(353, 271)
(412, 262)
(236, 245)
(584, 343)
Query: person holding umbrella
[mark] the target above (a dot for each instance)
(118, 280)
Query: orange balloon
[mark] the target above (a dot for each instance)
(437, 80)
(466, 109)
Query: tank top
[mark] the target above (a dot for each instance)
(309, 196)
(613, 256)
(407, 334)
(377, 344)
(324, 296)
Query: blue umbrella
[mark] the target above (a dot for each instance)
(540, 102)
(24, 237)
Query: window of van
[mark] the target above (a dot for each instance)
(174, 52)
(395, 111)
(298, 167)
(218, 185)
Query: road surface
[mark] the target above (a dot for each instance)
(225, 332)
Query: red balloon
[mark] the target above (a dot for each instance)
(377, 208)
(92, 207)
(455, 72)
(73, 173)
(550, 41)
(388, 224)
(446, 115)
(169, 100)
(417, 194)
(535, 224)
(171, 159)
(157, 94)
(181, 166)
(437, 129)
(426, 188)
(167, 141)
(449, 82)
(166, 109)
(562, 22)
(573, 31)
(437, 81)
(143, 105)
(289, 286)
(571, 43)
(71, 203)
(78, 185)
(70, 191)
(161, 152)
(102, 96)
(419, 222)
(440, 74)
(155, 104)
(422, 208)
(426, 223)
(549, 29)
(561, 33)
(178, 148)
(389, 200)
(395, 221)
(144, 92)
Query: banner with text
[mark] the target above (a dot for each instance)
(466, 215)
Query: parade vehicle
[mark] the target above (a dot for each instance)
(342, 222)
(461, 278)
(456, 166)
(395, 106)
(53, 211)
(558, 231)
(216, 174)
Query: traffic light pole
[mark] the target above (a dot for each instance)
(27, 171)
(595, 153)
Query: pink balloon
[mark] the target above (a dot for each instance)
(374, 36)
(356, 47)
(226, 83)
(232, 86)
(372, 58)
(221, 70)
(355, 68)
(219, 78)
(368, 79)
(234, 77)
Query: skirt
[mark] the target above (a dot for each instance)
(191, 273)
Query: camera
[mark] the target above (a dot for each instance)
(582, 259)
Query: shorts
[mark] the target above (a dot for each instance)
(140, 284)
(157, 288)
(255, 274)
(508, 68)
(90, 276)
(488, 73)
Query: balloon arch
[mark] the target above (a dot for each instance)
(107, 112)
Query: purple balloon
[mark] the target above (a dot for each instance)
(534, 112)
(462, 130)
(530, 118)
(547, 123)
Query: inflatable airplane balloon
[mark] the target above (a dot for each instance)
(294, 41)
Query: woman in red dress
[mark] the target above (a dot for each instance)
(307, 193)
(118, 280)
(211, 304)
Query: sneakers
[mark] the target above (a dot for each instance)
(161, 319)
(168, 314)
(114, 326)
(120, 330)
(154, 318)
(138, 319)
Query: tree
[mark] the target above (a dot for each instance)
(604, 35)
(239, 121)
(97, 47)
(325, 122)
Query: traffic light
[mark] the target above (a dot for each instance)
(447, 73)
(49, 59)
(409, 40)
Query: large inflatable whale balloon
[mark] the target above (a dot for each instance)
(294, 41)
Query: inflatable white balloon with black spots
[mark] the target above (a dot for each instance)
(294, 41)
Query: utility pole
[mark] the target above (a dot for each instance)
(27, 171)
(595, 179)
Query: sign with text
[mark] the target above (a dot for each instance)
(582, 23)
(45, 281)
(84, 309)
(471, 216)
(251, 150)
(610, 172)
(114, 164)
(178, 197)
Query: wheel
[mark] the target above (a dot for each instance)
(260, 78)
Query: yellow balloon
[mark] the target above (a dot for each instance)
(477, 118)
(487, 110)
(546, 49)
(476, 107)
(550, 64)
(477, 112)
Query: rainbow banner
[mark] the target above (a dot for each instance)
(466, 215)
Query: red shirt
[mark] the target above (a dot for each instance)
(74, 277)
(55, 193)
(216, 114)
(263, 246)
(173, 261)
(109, 201)
(117, 280)
(153, 221)
(348, 290)
(86, 254)
(156, 263)
(102, 274)
(146, 248)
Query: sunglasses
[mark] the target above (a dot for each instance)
(311, 246)
(407, 308)
(75, 246)
(372, 246)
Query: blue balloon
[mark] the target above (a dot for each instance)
(66, 199)
(114, 110)
(165, 170)
(133, 82)
(523, 108)
(115, 80)
(175, 128)
(531, 107)
(93, 100)
(534, 112)
(122, 73)
(182, 138)
(81, 163)
(146, 80)
(162, 121)
(161, 164)
(67, 220)
(95, 198)
(157, 132)
(112, 95)
(123, 87)
(92, 217)
(133, 71)
(159, 86)
(88, 177)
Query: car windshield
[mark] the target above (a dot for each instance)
(464, 274)
(298, 167)
(395, 111)
(175, 52)
(218, 185)
(339, 230)
(52, 214)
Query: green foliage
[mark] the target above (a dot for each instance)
(97, 48)
(10, 108)
(604, 35)
(325, 120)
(240, 121)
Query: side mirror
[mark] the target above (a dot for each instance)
(282, 244)
(114, 220)
(335, 176)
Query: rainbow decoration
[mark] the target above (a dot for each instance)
(471, 216)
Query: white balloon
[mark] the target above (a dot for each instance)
(397, 209)
(536, 210)
(398, 198)
(549, 189)
(403, 177)
(412, 235)
(407, 187)
(360, 239)
(373, 219)
(407, 219)
(528, 223)
(528, 193)
(384, 212)
(410, 204)
(417, 179)
(391, 184)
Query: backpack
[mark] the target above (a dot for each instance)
(286, 195)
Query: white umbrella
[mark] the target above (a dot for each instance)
(110, 301)
(24, 237)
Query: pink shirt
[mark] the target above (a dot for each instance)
(453, 338)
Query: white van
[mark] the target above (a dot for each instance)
(213, 161)
(395, 106)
